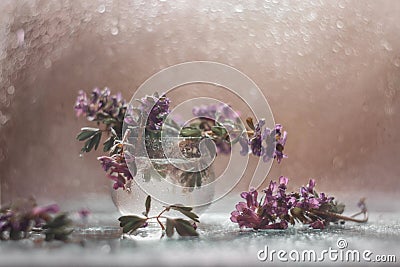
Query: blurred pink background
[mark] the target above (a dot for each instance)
(329, 69)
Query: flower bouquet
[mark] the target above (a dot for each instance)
(140, 150)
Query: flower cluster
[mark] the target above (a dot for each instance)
(265, 142)
(220, 112)
(100, 105)
(18, 219)
(218, 122)
(117, 168)
(153, 109)
(218, 116)
(277, 209)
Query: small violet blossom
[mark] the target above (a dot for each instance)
(117, 169)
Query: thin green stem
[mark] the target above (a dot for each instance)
(342, 217)
(158, 218)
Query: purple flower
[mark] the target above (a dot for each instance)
(106, 162)
(244, 143)
(361, 204)
(40, 210)
(119, 180)
(318, 224)
(277, 208)
(267, 215)
(278, 226)
(155, 109)
(256, 141)
(268, 143)
(99, 105)
(81, 104)
(220, 112)
(84, 213)
(117, 169)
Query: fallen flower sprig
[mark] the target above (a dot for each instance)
(276, 209)
(19, 219)
(183, 227)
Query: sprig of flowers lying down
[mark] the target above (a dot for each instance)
(23, 217)
(276, 208)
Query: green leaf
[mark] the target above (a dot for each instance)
(86, 133)
(219, 130)
(58, 221)
(199, 179)
(93, 136)
(169, 229)
(90, 129)
(180, 207)
(96, 139)
(190, 132)
(146, 175)
(185, 228)
(187, 212)
(58, 228)
(131, 223)
(108, 144)
(113, 132)
(147, 204)
(109, 121)
(250, 123)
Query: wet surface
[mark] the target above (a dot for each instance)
(220, 243)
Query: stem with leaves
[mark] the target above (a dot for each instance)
(183, 227)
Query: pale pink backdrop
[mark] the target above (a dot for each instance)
(329, 69)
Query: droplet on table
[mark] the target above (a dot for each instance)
(114, 30)
(396, 61)
(386, 45)
(101, 9)
(238, 8)
(339, 24)
(11, 90)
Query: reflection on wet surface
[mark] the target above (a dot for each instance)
(220, 242)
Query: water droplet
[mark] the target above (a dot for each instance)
(106, 249)
(47, 63)
(347, 51)
(396, 61)
(312, 16)
(11, 90)
(337, 162)
(3, 119)
(390, 92)
(101, 9)
(81, 155)
(339, 24)
(335, 49)
(342, 4)
(239, 8)
(389, 109)
(300, 53)
(114, 30)
(386, 45)
(20, 36)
